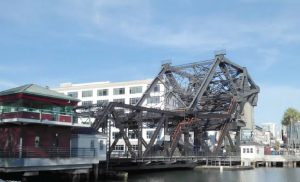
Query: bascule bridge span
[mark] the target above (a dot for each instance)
(197, 98)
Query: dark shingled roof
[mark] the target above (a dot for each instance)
(37, 90)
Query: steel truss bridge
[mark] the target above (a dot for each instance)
(197, 97)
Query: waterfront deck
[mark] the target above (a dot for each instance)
(160, 162)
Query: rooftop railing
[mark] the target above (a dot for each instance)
(8, 112)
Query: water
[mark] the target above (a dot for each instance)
(256, 175)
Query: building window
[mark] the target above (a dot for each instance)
(247, 150)
(149, 134)
(132, 135)
(102, 102)
(156, 88)
(92, 145)
(87, 93)
(136, 90)
(73, 94)
(87, 103)
(37, 141)
(119, 91)
(244, 150)
(153, 100)
(135, 147)
(257, 151)
(114, 135)
(133, 101)
(101, 145)
(119, 100)
(251, 150)
(119, 147)
(102, 92)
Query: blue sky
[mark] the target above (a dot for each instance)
(50, 42)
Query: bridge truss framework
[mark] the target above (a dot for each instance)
(197, 97)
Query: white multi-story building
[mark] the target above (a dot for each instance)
(125, 92)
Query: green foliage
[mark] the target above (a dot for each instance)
(277, 145)
(291, 115)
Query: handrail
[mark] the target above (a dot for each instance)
(9, 109)
(47, 152)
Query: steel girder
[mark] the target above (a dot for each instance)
(211, 93)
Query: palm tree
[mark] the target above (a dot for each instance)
(290, 116)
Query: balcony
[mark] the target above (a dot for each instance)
(32, 115)
(48, 152)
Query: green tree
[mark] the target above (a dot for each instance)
(291, 115)
(277, 145)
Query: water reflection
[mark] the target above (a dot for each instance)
(257, 175)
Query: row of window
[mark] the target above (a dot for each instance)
(247, 150)
(116, 91)
(92, 144)
(121, 147)
(132, 135)
(132, 101)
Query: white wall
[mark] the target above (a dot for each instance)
(83, 142)
(257, 153)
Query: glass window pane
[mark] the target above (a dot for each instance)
(102, 92)
(119, 100)
(87, 103)
(102, 102)
(87, 93)
(73, 94)
(101, 145)
(133, 101)
(119, 91)
(153, 100)
(136, 90)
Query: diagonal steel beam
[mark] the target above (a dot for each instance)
(113, 145)
(228, 77)
(154, 136)
(123, 133)
(204, 84)
(230, 142)
(167, 87)
(152, 85)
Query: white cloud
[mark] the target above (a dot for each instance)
(140, 21)
(137, 21)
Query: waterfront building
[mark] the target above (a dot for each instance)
(251, 153)
(38, 132)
